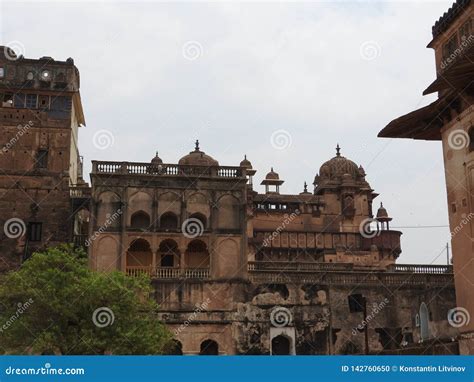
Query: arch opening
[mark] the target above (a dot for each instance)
(169, 253)
(281, 345)
(140, 220)
(197, 255)
(209, 347)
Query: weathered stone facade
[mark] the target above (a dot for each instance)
(40, 112)
(235, 271)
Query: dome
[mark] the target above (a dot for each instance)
(156, 160)
(198, 158)
(382, 212)
(338, 167)
(246, 163)
(272, 175)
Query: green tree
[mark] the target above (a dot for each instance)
(55, 304)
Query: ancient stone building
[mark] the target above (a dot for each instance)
(241, 272)
(235, 271)
(40, 113)
(450, 120)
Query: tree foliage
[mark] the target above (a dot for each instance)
(55, 304)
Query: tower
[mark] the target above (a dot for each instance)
(40, 113)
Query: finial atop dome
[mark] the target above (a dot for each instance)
(338, 149)
(196, 148)
(305, 187)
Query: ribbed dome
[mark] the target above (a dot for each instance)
(338, 166)
(198, 158)
(272, 175)
(246, 163)
(382, 212)
(156, 160)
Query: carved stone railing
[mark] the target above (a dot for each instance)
(297, 266)
(79, 192)
(382, 279)
(420, 268)
(138, 168)
(169, 272)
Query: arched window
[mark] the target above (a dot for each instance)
(281, 345)
(199, 217)
(197, 255)
(139, 255)
(169, 253)
(209, 347)
(140, 220)
(169, 221)
(424, 322)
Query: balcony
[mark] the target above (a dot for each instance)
(169, 272)
(166, 170)
(398, 275)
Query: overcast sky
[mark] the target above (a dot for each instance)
(280, 82)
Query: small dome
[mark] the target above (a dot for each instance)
(246, 163)
(382, 212)
(198, 158)
(156, 160)
(338, 167)
(272, 175)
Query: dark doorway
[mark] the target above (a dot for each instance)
(209, 347)
(280, 345)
